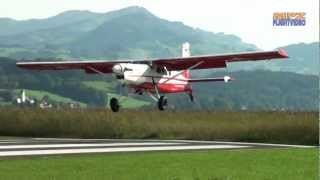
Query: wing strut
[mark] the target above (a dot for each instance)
(155, 88)
(95, 70)
(181, 72)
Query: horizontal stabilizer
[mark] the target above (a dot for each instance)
(225, 79)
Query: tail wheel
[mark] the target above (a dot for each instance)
(162, 103)
(114, 105)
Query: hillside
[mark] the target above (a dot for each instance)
(82, 34)
(303, 59)
(132, 32)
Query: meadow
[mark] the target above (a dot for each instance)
(271, 127)
(275, 164)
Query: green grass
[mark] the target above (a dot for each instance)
(273, 127)
(129, 102)
(275, 164)
(100, 85)
(4, 103)
(108, 88)
(57, 98)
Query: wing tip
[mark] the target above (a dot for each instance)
(283, 53)
(19, 64)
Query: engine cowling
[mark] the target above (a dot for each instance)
(121, 68)
(131, 73)
(118, 69)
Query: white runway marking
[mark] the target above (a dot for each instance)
(86, 145)
(9, 142)
(122, 149)
(52, 146)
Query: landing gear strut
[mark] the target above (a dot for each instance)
(162, 100)
(114, 105)
(162, 103)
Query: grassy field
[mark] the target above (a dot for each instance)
(100, 85)
(275, 164)
(272, 127)
(108, 88)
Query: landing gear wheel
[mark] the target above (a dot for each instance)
(114, 105)
(162, 103)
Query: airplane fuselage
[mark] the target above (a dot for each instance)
(142, 77)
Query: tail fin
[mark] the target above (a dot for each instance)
(186, 50)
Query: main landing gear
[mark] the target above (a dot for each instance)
(162, 103)
(114, 105)
(161, 100)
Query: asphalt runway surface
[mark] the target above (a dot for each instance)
(51, 146)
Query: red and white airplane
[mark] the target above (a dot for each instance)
(157, 76)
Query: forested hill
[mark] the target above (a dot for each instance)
(303, 59)
(253, 90)
(133, 32)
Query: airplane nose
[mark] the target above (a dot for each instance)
(117, 69)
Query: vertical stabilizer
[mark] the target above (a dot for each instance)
(186, 53)
(186, 49)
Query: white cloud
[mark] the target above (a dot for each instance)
(249, 19)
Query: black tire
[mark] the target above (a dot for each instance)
(114, 105)
(162, 103)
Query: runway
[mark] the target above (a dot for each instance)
(54, 146)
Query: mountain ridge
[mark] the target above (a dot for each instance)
(134, 33)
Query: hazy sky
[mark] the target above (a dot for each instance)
(251, 20)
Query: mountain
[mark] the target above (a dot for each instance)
(140, 34)
(132, 32)
(303, 58)
(11, 27)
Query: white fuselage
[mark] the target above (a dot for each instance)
(142, 77)
(136, 74)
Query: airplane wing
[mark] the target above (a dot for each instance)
(88, 66)
(179, 63)
(218, 61)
